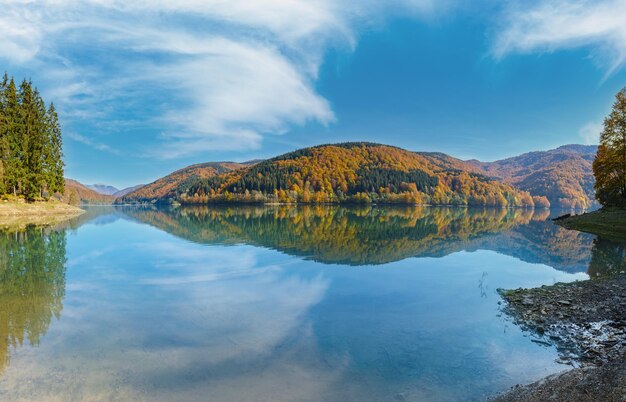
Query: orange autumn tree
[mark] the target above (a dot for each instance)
(609, 167)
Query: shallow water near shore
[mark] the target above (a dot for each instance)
(278, 303)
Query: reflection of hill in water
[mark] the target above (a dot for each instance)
(369, 235)
(32, 285)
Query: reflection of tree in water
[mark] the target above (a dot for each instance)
(607, 258)
(32, 285)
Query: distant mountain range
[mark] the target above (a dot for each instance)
(564, 175)
(561, 177)
(77, 193)
(102, 189)
(127, 190)
(105, 189)
(350, 172)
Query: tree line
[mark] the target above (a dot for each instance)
(31, 143)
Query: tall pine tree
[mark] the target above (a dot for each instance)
(31, 155)
(54, 153)
(14, 157)
(609, 167)
(32, 145)
(3, 135)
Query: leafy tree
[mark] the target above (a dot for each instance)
(609, 167)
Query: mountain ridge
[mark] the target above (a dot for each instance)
(77, 193)
(102, 188)
(345, 172)
(562, 175)
(127, 190)
(164, 187)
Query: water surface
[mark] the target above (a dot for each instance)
(279, 303)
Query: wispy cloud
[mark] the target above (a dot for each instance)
(200, 75)
(590, 133)
(91, 143)
(562, 24)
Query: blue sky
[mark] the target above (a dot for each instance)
(148, 87)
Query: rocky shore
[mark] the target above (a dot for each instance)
(586, 322)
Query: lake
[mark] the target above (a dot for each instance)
(279, 303)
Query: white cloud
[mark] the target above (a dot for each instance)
(590, 133)
(91, 143)
(220, 74)
(561, 24)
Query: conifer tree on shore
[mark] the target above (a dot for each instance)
(31, 144)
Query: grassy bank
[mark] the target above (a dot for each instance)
(16, 208)
(607, 222)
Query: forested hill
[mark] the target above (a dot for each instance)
(564, 175)
(350, 172)
(166, 188)
(79, 194)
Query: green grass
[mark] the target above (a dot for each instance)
(607, 222)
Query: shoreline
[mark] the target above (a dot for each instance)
(584, 320)
(609, 223)
(21, 209)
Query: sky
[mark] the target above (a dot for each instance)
(146, 87)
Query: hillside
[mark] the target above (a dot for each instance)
(127, 190)
(563, 175)
(165, 188)
(77, 193)
(349, 172)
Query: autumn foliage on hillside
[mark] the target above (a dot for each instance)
(76, 193)
(563, 176)
(166, 188)
(355, 173)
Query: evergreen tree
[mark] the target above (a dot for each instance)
(609, 167)
(14, 156)
(33, 144)
(31, 152)
(3, 132)
(54, 152)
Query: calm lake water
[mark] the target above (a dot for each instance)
(279, 303)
